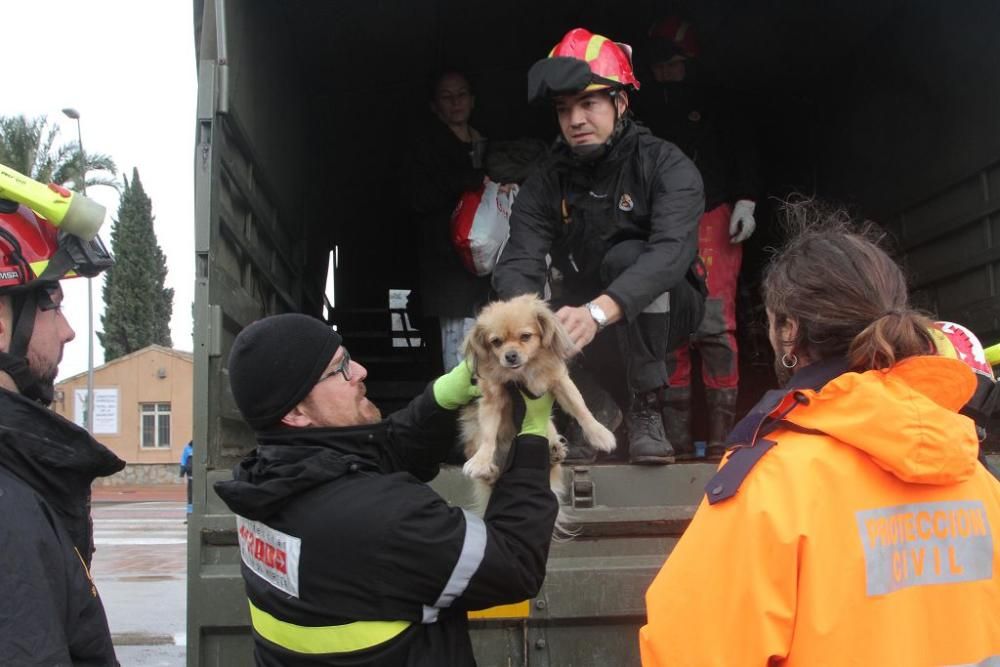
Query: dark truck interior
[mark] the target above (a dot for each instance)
(889, 106)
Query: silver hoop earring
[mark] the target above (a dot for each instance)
(789, 360)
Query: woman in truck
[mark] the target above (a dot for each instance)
(851, 522)
(445, 159)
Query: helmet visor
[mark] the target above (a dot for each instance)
(76, 257)
(559, 76)
(89, 258)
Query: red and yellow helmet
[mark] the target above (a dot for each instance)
(673, 36)
(957, 342)
(33, 252)
(582, 61)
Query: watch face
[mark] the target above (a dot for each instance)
(597, 314)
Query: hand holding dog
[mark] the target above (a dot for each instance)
(455, 388)
(530, 414)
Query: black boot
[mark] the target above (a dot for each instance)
(676, 412)
(721, 405)
(605, 410)
(647, 443)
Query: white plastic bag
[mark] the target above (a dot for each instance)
(480, 225)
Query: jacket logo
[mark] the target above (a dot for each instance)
(271, 554)
(925, 543)
(625, 203)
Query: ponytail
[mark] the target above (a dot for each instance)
(894, 336)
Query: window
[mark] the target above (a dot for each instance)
(155, 426)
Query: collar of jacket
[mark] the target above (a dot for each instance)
(814, 376)
(289, 462)
(366, 442)
(54, 456)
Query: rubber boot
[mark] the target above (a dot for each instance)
(647, 443)
(605, 410)
(721, 405)
(676, 412)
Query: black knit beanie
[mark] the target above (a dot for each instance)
(274, 364)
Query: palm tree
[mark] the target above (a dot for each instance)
(27, 145)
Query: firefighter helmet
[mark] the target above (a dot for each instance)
(957, 342)
(582, 61)
(33, 252)
(34, 256)
(672, 36)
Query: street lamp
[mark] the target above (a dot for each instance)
(73, 114)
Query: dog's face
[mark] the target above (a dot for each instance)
(511, 333)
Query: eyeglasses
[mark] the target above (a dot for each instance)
(344, 368)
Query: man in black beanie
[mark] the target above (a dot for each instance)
(349, 558)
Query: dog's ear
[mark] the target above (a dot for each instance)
(554, 336)
(475, 347)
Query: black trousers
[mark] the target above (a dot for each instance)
(630, 355)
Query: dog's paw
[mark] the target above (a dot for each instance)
(600, 437)
(486, 470)
(557, 450)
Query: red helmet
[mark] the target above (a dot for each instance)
(673, 36)
(956, 342)
(33, 251)
(34, 256)
(582, 61)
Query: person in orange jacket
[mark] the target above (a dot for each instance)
(850, 522)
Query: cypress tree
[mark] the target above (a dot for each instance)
(137, 305)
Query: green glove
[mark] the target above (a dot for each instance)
(456, 388)
(531, 415)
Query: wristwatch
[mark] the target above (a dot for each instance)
(598, 314)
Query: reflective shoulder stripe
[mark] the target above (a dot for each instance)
(473, 550)
(324, 639)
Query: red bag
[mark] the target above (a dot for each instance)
(480, 225)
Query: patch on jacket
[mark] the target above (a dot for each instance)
(271, 554)
(625, 203)
(925, 543)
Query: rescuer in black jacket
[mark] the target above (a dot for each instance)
(50, 611)
(709, 125)
(617, 210)
(349, 558)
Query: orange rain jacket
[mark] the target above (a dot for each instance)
(866, 536)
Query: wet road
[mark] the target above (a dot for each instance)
(140, 568)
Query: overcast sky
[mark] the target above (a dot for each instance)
(128, 67)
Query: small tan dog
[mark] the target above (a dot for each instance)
(520, 341)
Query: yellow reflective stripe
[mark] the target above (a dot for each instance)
(594, 47)
(38, 268)
(516, 610)
(324, 639)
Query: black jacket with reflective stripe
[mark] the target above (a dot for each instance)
(644, 188)
(377, 544)
(50, 611)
